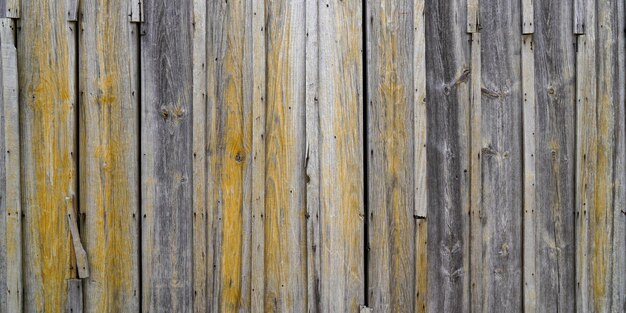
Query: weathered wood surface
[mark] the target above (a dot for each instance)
(10, 201)
(10, 8)
(229, 130)
(501, 156)
(390, 134)
(47, 80)
(109, 155)
(285, 181)
(554, 157)
(340, 156)
(75, 301)
(166, 157)
(449, 70)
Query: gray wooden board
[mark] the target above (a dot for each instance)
(391, 224)
(448, 86)
(166, 156)
(3, 192)
(501, 155)
(554, 50)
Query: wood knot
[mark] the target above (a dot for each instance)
(239, 157)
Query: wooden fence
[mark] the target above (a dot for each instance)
(313, 156)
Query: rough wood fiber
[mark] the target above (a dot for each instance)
(313, 174)
(476, 183)
(420, 128)
(199, 36)
(285, 183)
(391, 225)
(167, 156)
(10, 9)
(555, 97)
(341, 192)
(448, 69)
(501, 157)
(10, 202)
(259, 94)
(529, 175)
(47, 80)
(229, 132)
(109, 155)
(75, 296)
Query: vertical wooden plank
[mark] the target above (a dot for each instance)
(230, 142)
(580, 16)
(285, 194)
(420, 129)
(135, 10)
(476, 184)
(47, 78)
(199, 157)
(341, 193)
(473, 16)
(74, 296)
(259, 94)
(391, 224)
(528, 138)
(601, 205)
(528, 17)
(313, 175)
(555, 129)
(10, 9)
(109, 155)
(448, 77)
(11, 230)
(619, 203)
(501, 157)
(167, 156)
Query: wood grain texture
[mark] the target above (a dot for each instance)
(109, 155)
(75, 303)
(341, 193)
(285, 182)
(199, 133)
(473, 16)
(47, 80)
(555, 143)
(529, 175)
(259, 96)
(229, 125)
(528, 8)
(10, 202)
(167, 157)
(501, 156)
(10, 9)
(449, 70)
(580, 16)
(391, 226)
(135, 10)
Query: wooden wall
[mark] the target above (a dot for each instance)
(312, 156)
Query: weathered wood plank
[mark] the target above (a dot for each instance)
(420, 128)
(10, 8)
(200, 238)
(74, 296)
(391, 224)
(230, 140)
(167, 156)
(476, 184)
(448, 75)
(47, 80)
(259, 94)
(135, 10)
(554, 54)
(580, 16)
(313, 175)
(530, 279)
(10, 221)
(341, 193)
(501, 157)
(473, 16)
(72, 10)
(528, 26)
(619, 204)
(285, 183)
(109, 150)
(79, 252)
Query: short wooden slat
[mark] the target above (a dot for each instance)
(47, 80)
(109, 150)
(580, 15)
(528, 26)
(167, 157)
(10, 9)
(473, 16)
(135, 10)
(74, 296)
(10, 221)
